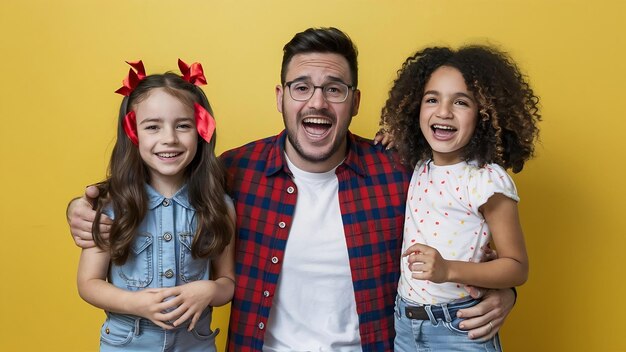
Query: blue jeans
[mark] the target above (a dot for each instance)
(438, 332)
(133, 334)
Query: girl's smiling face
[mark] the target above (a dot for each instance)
(448, 115)
(168, 139)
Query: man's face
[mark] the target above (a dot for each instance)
(316, 128)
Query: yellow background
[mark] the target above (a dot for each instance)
(62, 60)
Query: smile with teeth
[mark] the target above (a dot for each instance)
(316, 126)
(168, 155)
(443, 127)
(317, 121)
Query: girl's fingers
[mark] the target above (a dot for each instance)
(194, 320)
(183, 318)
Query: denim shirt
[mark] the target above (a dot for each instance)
(160, 255)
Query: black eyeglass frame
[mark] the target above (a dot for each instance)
(350, 88)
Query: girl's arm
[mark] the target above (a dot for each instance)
(95, 290)
(194, 297)
(508, 270)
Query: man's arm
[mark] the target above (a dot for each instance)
(487, 317)
(80, 216)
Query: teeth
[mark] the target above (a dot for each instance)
(442, 127)
(316, 121)
(168, 155)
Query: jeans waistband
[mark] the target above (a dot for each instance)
(142, 323)
(434, 312)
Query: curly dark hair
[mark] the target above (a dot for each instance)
(508, 112)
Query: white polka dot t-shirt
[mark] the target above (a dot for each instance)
(442, 212)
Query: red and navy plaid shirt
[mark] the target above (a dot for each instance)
(372, 198)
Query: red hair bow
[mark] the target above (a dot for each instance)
(193, 74)
(205, 123)
(130, 127)
(132, 80)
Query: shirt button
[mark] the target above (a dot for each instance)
(167, 237)
(290, 190)
(169, 273)
(166, 202)
(266, 293)
(274, 260)
(282, 224)
(261, 326)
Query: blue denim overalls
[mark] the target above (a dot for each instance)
(159, 257)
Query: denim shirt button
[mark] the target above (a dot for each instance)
(166, 202)
(169, 274)
(167, 237)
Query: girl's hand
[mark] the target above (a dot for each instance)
(426, 263)
(190, 301)
(150, 304)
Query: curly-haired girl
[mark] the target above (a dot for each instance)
(461, 118)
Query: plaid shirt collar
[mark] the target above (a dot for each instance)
(276, 157)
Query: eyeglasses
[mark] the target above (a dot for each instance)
(334, 92)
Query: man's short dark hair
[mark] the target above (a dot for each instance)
(321, 40)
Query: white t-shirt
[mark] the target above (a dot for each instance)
(314, 308)
(442, 212)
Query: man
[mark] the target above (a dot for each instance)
(319, 217)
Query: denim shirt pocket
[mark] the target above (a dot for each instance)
(137, 272)
(191, 269)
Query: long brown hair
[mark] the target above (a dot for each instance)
(124, 187)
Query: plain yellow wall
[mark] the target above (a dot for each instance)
(61, 61)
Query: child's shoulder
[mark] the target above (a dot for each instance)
(489, 179)
(487, 170)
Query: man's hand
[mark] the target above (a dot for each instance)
(80, 217)
(485, 319)
(385, 138)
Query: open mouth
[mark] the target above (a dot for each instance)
(443, 131)
(316, 126)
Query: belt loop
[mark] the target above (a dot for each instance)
(446, 312)
(428, 309)
(137, 331)
(398, 309)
